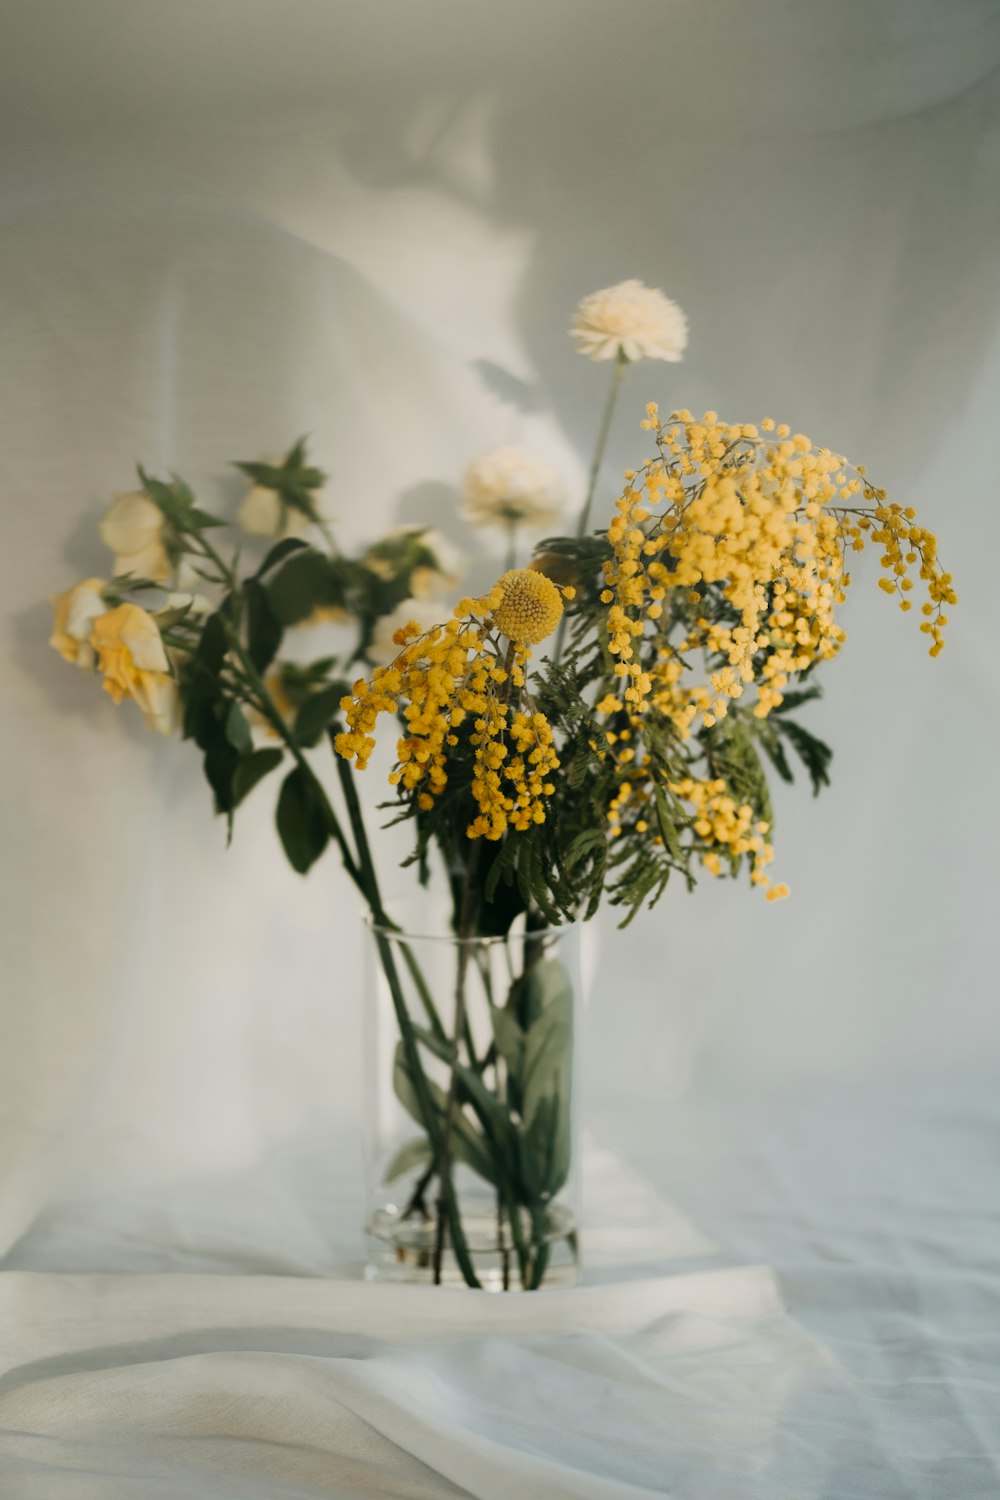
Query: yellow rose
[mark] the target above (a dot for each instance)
(74, 612)
(131, 655)
(133, 529)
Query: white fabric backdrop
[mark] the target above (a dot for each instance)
(226, 224)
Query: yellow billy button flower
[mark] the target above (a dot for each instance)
(131, 656)
(530, 607)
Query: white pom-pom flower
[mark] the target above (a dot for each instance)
(511, 487)
(636, 319)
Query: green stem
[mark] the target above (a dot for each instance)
(621, 361)
(426, 999)
(511, 543)
(347, 785)
(346, 774)
(539, 1226)
(516, 1227)
(449, 1202)
(506, 1186)
(502, 1249)
(603, 433)
(451, 1102)
(466, 925)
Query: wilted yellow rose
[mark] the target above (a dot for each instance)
(133, 528)
(131, 655)
(74, 612)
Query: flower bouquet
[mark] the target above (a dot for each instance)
(602, 719)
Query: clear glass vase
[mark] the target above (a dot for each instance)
(471, 1143)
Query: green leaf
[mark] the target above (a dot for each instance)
(773, 749)
(590, 840)
(815, 755)
(251, 769)
(293, 480)
(176, 501)
(790, 701)
(182, 493)
(279, 552)
(489, 1110)
(214, 643)
(502, 901)
(546, 1081)
(317, 712)
(545, 1149)
(666, 820)
(502, 866)
(301, 820)
(733, 756)
(413, 1153)
(160, 493)
(440, 1046)
(264, 632)
(221, 760)
(509, 1040)
(303, 584)
(548, 1039)
(467, 1143)
(238, 730)
(200, 700)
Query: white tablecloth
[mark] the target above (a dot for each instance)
(862, 1367)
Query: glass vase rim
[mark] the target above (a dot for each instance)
(403, 935)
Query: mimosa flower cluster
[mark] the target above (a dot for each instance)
(727, 830)
(724, 829)
(731, 544)
(469, 671)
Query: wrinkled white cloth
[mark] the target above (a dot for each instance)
(177, 1386)
(864, 1366)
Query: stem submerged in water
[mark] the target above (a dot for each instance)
(460, 1031)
